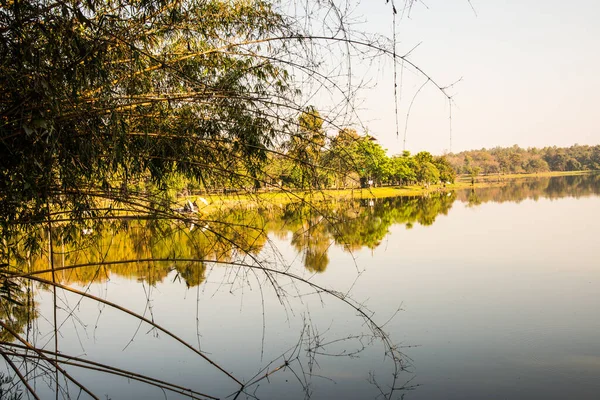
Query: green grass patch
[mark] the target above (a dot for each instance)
(280, 197)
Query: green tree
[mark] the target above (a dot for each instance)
(471, 169)
(447, 173)
(537, 165)
(305, 148)
(402, 169)
(425, 169)
(372, 161)
(342, 157)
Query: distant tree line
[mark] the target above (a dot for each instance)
(516, 160)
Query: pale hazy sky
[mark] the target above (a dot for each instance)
(530, 74)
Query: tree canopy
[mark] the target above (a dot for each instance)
(98, 94)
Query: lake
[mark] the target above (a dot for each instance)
(490, 293)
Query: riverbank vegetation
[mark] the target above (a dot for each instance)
(350, 164)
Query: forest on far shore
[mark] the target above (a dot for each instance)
(517, 160)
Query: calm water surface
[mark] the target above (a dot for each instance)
(498, 292)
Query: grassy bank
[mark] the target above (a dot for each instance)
(495, 178)
(282, 197)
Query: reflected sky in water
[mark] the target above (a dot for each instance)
(502, 299)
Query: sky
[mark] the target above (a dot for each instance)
(528, 70)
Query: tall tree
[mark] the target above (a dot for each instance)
(373, 162)
(342, 157)
(306, 146)
(447, 173)
(426, 171)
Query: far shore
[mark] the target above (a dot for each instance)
(289, 196)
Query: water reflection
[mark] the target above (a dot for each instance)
(314, 229)
(18, 307)
(151, 245)
(159, 251)
(535, 188)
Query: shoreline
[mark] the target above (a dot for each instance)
(290, 196)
